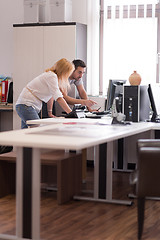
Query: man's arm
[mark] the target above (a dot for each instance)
(84, 101)
(83, 95)
(82, 91)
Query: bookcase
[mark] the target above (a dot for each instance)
(38, 46)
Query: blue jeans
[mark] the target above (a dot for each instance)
(26, 113)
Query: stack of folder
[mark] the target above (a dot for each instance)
(5, 85)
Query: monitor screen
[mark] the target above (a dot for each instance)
(115, 89)
(154, 96)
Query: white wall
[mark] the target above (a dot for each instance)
(79, 11)
(11, 13)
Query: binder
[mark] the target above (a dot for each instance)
(4, 90)
(0, 92)
(10, 92)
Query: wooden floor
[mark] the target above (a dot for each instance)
(82, 220)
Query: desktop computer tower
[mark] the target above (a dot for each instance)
(136, 103)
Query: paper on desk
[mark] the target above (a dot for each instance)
(91, 122)
(77, 130)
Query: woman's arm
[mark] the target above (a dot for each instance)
(50, 107)
(64, 105)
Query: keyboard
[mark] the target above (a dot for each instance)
(101, 113)
(97, 114)
(157, 120)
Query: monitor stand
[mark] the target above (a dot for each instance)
(155, 118)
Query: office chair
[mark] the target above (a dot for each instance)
(147, 176)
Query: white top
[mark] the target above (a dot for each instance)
(43, 88)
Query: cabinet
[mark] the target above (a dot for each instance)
(6, 117)
(39, 46)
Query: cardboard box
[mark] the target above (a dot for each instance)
(43, 11)
(31, 11)
(60, 10)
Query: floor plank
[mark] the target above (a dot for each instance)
(84, 220)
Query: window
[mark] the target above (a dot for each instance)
(129, 41)
(93, 47)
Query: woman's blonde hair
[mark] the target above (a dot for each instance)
(63, 69)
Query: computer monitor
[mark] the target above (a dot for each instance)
(115, 89)
(154, 96)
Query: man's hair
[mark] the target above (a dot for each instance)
(78, 63)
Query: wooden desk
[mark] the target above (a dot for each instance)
(71, 135)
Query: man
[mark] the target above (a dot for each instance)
(76, 78)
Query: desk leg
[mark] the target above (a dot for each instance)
(28, 193)
(103, 160)
(105, 171)
(36, 196)
(109, 155)
(103, 164)
(19, 190)
(96, 171)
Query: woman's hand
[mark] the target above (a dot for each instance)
(51, 115)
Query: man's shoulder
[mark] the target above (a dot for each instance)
(76, 82)
(71, 81)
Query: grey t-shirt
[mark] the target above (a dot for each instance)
(76, 82)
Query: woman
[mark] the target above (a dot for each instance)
(45, 87)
